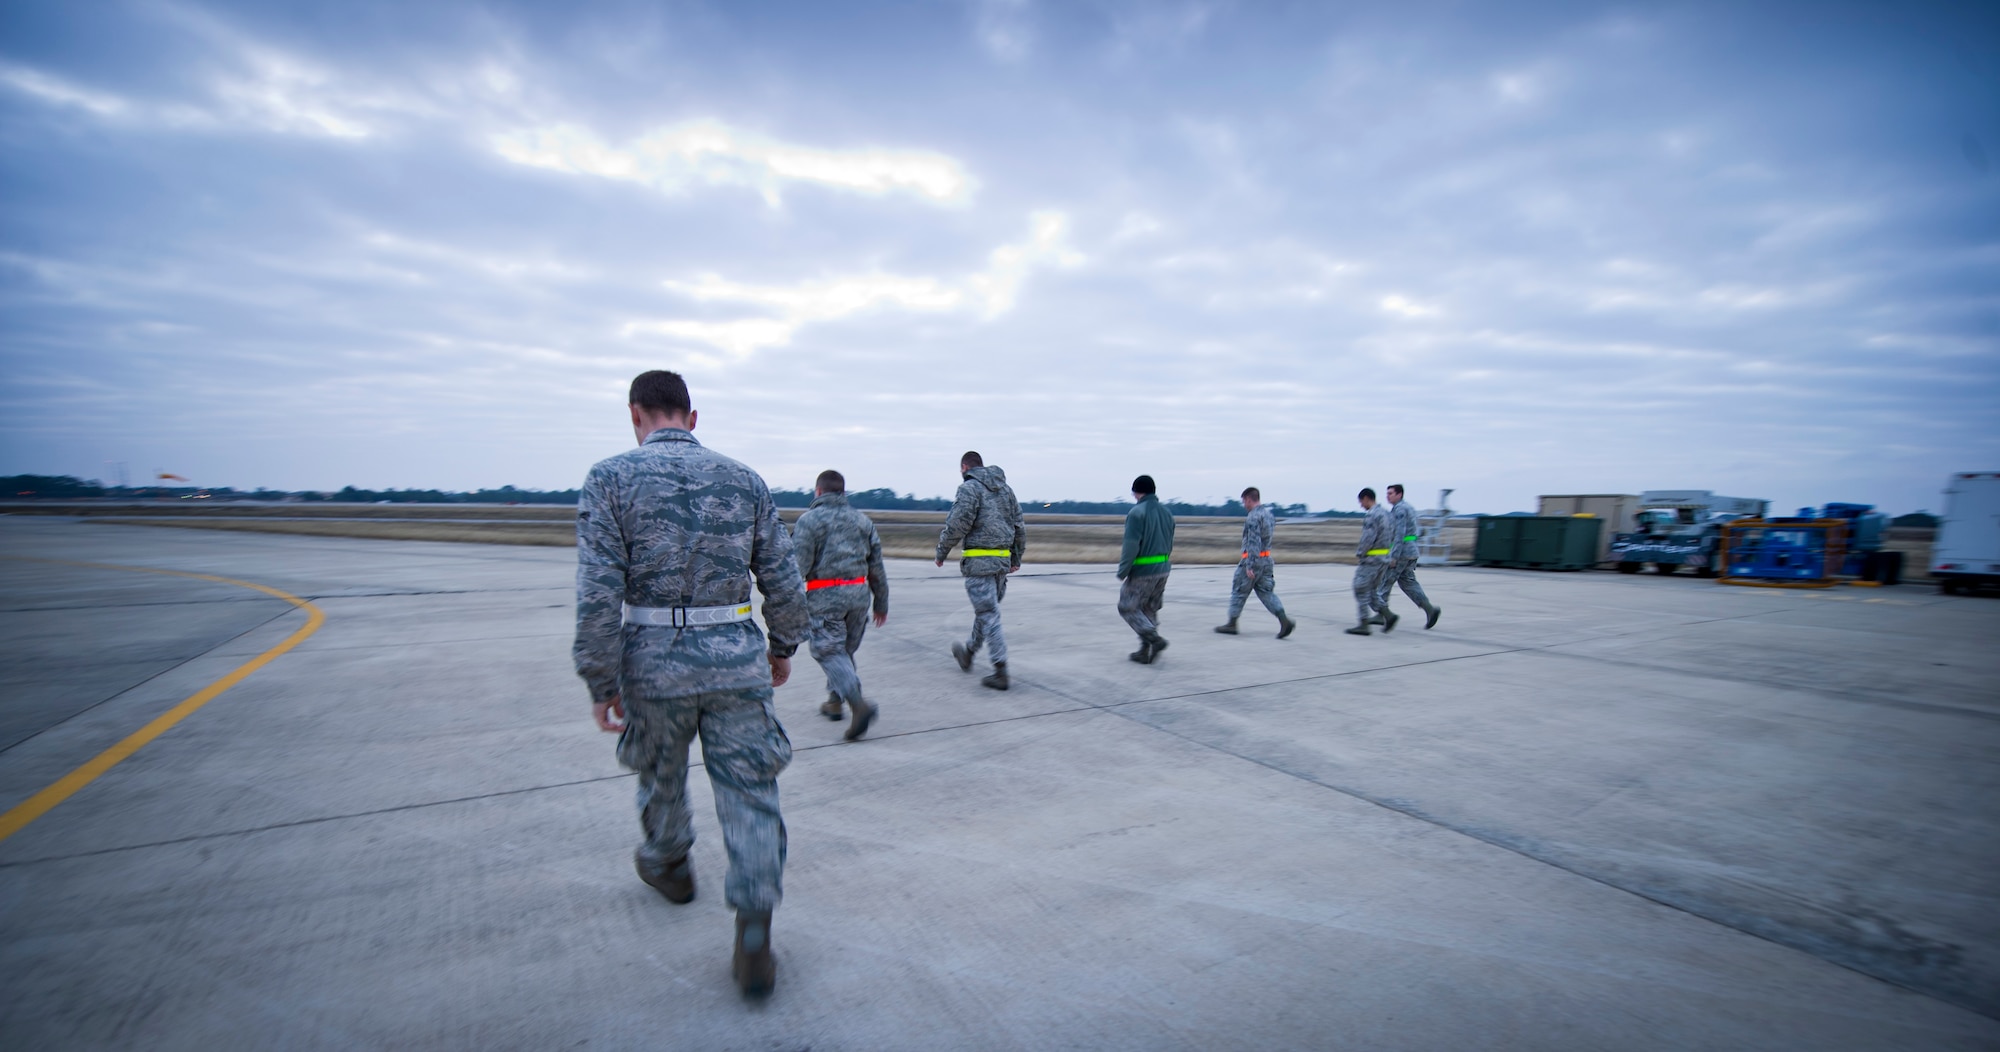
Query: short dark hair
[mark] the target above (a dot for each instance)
(1144, 484)
(661, 392)
(1366, 493)
(1251, 493)
(1397, 486)
(971, 460)
(831, 481)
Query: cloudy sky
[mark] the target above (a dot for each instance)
(1506, 248)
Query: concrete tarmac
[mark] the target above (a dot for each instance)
(1586, 811)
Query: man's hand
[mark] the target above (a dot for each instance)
(940, 562)
(1249, 575)
(610, 715)
(881, 619)
(1013, 569)
(781, 669)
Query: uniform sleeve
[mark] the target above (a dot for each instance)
(808, 535)
(600, 587)
(777, 573)
(1020, 546)
(878, 577)
(964, 512)
(1131, 549)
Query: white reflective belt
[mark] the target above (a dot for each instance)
(686, 616)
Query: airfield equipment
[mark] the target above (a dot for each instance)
(1813, 549)
(1680, 527)
(1966, 554)
(1433, 535)
(1538, 542)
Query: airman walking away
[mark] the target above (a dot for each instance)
(840, 555)
(1254, 571)
(668, 538)
(1143, 565)
(1372, 560)
(1403, 557)
(986, 518)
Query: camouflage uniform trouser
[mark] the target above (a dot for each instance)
(986, 591)
(1265, 585)
(744, 747)
(836, 635)
(1139, 600)
(1369, 590)
(1403, 572)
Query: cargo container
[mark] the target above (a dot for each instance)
(1538, 542)
(1616, 509)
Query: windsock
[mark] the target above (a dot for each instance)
(176, 478)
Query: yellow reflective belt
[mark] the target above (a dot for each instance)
(974, 553)
(1378, 551)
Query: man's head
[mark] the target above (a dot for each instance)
(1251, 498)
(829, 481)
(1394, 492)
(1143, 487)
(659, 399)
(969, 461)
(1367, 498)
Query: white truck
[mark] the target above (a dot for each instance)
(1966, 554)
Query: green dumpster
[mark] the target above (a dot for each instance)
(1537, 542)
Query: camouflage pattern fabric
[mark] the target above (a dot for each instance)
(1376, 529)
(673, 523)
(984, 515)
(1402, 572)
(1403, 557)
(744, 748)
(1139, 600)
(1264, 584)
(1368, 576)
(834, 541)
(1402, 525)
(836, 635)
(986, 591)
(1254, 571)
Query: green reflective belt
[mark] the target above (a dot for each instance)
(1412, 538)
(974, 553)
(1378, 551)
(1148, 560)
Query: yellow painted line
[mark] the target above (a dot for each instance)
(39, 804)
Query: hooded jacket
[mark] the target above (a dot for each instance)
(984, 517)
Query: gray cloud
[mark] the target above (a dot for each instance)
(1563, 250)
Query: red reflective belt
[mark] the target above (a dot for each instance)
(1260, 555)
(814, 586)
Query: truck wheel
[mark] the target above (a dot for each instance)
(1892, 568)
(1628, 567)
(1665, 568)
(1948, 587)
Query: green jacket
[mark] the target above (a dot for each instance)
(1149, 535)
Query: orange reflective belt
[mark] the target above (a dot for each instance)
(1260, 555)
(814, 586)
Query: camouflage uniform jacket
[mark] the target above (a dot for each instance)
(836, 542)
(1149, 531)
(673, 523)
(984, 515)
(1376, 527)
(1257, 528)
(1403, 523)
